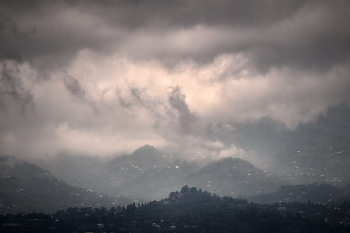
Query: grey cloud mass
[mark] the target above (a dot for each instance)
(105, 77)
(13, 94)
(185, 117)
(74, 86)
(304, 34)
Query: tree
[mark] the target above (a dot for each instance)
(184, 189)
(193, 190)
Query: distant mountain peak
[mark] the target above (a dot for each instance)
(232, 162)
(147, 149)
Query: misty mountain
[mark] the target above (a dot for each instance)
(48, 195)
(102, 174)
(126, 167)
(317, 151)
(71, 169)
(12, 167)
(141, 174)
(150, 174)
(26, 187)
(157, 182)
(232, 177)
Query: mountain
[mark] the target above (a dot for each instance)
(157, 182)
(317, 151)
(150, 174)
(71, 169)
(12, 167)
(232, 177)
(146, 173)
(47, 195)
(126, 167)
(25, 187)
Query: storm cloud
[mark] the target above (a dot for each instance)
(105, 77)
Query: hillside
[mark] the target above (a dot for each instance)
(26, 187)
(46, 195)
(110, 175)
(232, 177)
(146, 173)
(10, 166)
(150, 174)
(317, 151)
(154, 183)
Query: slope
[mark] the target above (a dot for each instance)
(316, 151)
(232, 177)
(28, 188)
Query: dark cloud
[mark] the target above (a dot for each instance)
(74, 87)
(186, 118)
(13, 95)
(302, 34)
(13, 55)
(136, 93)
(138, 14)
(122, 100)
(134, 98)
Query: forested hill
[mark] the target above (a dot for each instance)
(190, 210)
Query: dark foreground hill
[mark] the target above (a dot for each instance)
(191, 210)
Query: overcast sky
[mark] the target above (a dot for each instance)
(106, 77)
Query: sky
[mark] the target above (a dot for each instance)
(103, 78)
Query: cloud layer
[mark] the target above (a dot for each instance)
(105, 77)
